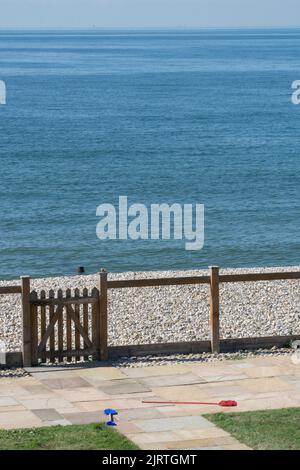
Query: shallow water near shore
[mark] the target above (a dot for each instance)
(160, 116)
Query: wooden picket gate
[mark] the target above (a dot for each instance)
(65, 326)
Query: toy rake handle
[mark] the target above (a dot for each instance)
(220, 403)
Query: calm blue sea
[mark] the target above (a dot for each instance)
(160, 116)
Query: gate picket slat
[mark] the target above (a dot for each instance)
(52, 336)
(77, 313)
(43, 320)
(68, 326)
(50, 329)
(34, 328)
(96, 324)
(80, 328)
(60, 328)
(85, 307)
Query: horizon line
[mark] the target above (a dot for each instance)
(139, 28)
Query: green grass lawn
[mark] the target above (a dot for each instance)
(263, 430)
(79, 437)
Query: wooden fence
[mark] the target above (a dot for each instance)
(65, 326)
(213, 280)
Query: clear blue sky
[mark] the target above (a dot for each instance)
(148, 13)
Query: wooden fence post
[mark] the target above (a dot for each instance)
(103, 315)
(25, 286)
(214, 309)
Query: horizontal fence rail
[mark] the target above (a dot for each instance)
(64, 301)
(176, 281)
(250, 277)
(57, 325)
(10, 290)
(194, 347)
(157, 282)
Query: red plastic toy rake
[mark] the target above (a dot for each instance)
(221, 403)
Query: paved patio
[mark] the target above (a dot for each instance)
(79, 395)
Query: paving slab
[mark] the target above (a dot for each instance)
(82, 394)
(200, 443)
(8, 401)
(125, 386)
(84, 417)
(180, 393)
(268, 384)
(186, 410)
(19, 419)
(142, 439)
(140, 413)
(152, 371)
(172, 380)
(56, 402)
(48, 414)
(4, 409)
(38, 390)
(128, 427)
(102, 373)
(172, 424)
(66, 383)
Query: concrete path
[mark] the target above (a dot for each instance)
(79, 395)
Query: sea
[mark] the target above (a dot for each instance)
(160, 116)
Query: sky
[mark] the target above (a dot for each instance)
(148, 13)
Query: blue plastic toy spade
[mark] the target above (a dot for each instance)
(111, 412)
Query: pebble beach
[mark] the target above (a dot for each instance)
(176, 313)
